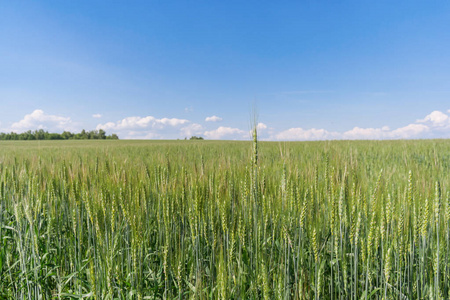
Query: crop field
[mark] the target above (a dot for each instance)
(225, 220)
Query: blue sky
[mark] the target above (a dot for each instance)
(170, 69)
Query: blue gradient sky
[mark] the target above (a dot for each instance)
(158, 69)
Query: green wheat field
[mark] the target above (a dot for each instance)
(225, 220)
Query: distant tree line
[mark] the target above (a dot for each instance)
(66, 135)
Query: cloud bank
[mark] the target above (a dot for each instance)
(434, 125)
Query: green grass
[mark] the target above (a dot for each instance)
(201, 220)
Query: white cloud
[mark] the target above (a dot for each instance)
(406, 132)
(192, 129)
(106, 126)
(226, 132)
(261, 126)
(130, 123)
(358, 133)
(40, 120)
(436, 118)
(149, 127)
(213, 119)
(300, 134)
(97, 116)
(410, 131)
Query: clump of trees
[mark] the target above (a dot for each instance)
(66, 135)
(196, 138)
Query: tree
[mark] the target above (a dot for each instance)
(83, 135)
(102, 134)
(196, 138)
(40, 134)
(67, 135)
